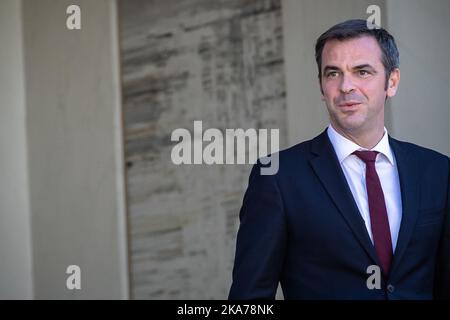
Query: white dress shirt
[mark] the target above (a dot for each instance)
(355, 173)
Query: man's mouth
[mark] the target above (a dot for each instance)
(349, 104)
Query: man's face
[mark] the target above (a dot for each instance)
(353, 84)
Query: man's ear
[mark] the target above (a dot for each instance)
(393, 82)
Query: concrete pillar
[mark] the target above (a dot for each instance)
(15, 226)
(76, 178)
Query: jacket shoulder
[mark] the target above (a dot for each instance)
(429, 161)
(420, 151)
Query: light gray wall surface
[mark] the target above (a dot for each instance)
(73, 106)
(15, 232)
(61, 117)
(421, 108)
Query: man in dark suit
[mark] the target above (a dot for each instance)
(351, 201)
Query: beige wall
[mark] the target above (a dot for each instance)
(421, 109)
(75, 153)
(15, 237)
(61, 118)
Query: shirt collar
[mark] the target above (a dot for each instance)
(345, 147)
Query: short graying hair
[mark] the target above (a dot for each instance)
(356, 28)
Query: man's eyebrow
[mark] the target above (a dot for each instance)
(358, 67)
(330, 68)
(364, 66)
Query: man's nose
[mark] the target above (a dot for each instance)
(347, 85)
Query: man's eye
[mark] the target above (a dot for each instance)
(363, 73)
(332, 74)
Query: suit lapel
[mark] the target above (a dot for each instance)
(407, 171)
(327, 168)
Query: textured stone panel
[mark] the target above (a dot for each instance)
(217, 61)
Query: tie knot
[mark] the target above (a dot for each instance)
(366, 156)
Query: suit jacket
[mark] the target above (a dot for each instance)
(301, 227)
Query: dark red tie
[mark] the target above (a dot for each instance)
(378, 214)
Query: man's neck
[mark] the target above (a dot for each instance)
(367, 140)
